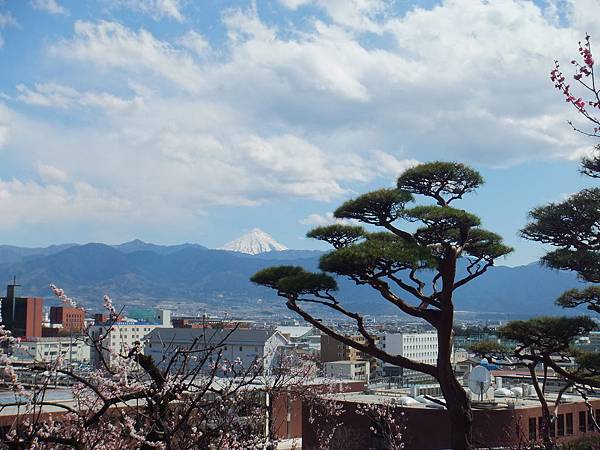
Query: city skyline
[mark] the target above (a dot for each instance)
(173, 121)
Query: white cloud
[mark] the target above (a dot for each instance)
(51, 174)
(34, 203)
(390, 164)
(584, 14)
(60, 96)
(5, 120)
(294, 4)
(6, 20)
(321, 220)
(194, 42)
(314, 112)
(49, 6)
(157, 9)
(111, 45)
(360, 15)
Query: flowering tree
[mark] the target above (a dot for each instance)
(573, 225)
(386, 422)
(588, 104)
(200, 400)
(193, 398)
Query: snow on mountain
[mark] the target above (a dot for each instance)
(253, 243)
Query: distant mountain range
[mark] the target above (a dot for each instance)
(149, 273)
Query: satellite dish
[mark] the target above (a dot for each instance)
(479, 381)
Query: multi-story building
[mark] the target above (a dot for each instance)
(334, 350)
(68, 317)
(348, 370)
(48, 349)
(22, 316)
(120, 336)
(420, 347)
(303, 337)
(249, 346)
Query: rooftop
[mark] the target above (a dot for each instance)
(211, 335)
(402, 398)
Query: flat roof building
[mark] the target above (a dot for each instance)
(249, 346)
(509, 423)
(22, 316)
(69, 317)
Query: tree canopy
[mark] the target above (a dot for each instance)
(414, 269)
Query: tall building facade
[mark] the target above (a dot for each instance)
(420, 347)
(22, 316)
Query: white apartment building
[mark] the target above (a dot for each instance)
(123, 335)
(421, 347)
(348, 370)
(247, 345)
(48, 349)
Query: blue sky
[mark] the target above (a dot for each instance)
(183, 121)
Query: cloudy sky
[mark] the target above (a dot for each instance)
(194, 121)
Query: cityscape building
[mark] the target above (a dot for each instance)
(47, 349)
(22, 316)
(248, 345)
(68, 317)
(122, 334)
(348, 370)
(334, 350)
(420, 347)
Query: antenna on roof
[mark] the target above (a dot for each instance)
(479, 381)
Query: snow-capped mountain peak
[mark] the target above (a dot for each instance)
(254, 242)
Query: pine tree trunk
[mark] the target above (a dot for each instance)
(458, 404)
(460, 415)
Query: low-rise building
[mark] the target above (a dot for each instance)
(507, 423)
(48, 349)
(120, 336)
(247, 346)
(348, 370)
(304, 337)
(334, 350)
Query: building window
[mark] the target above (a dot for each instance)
(561, 424)
(569, 424)
(582, 416)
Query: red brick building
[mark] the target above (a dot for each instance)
(69, 317)
(22, 315)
